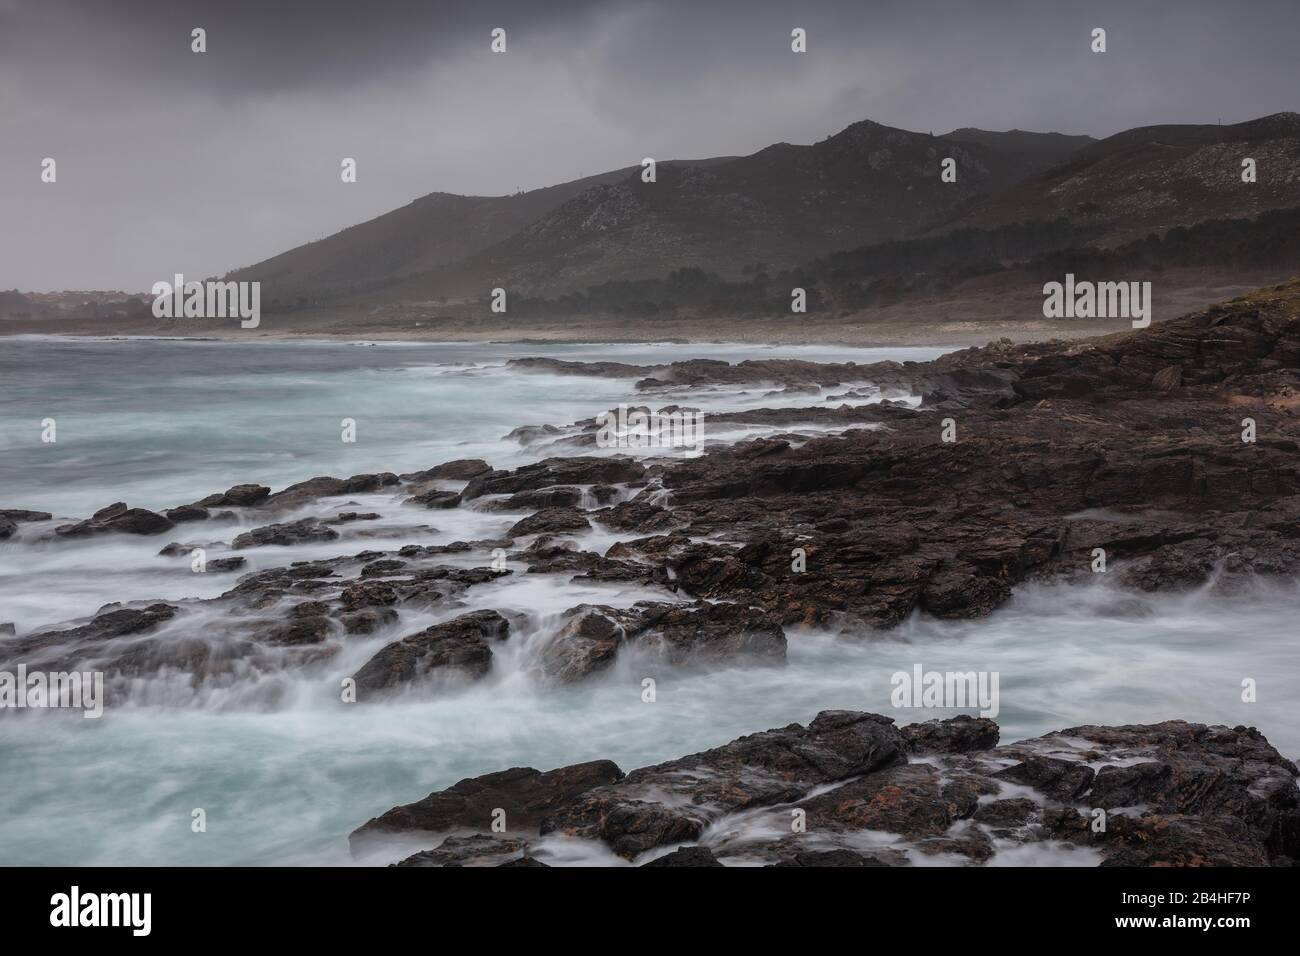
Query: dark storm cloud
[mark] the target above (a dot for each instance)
(171, 161)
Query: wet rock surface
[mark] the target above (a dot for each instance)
(295, 532)
(526, 796)
(851, 789)
(456, 648)
(117, 518)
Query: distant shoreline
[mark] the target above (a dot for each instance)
(971, 317)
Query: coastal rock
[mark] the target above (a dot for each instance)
(10, 518)
(117, 518)
(239, 496)
(462, 469)
(562, 496)
(109, 623)
(555, 471)
(526, 795)
(587, 643)
(457, 648)
(435, 499)
(479, 849)
(686, 856)
(323, 487)
(552, 521)
(295, 532)
(957, 735)
(19, 515)
(1178, 794)
(673, 802)
(709, 632)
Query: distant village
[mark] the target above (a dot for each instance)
(79, 304)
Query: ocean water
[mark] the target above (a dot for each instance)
(284, 770)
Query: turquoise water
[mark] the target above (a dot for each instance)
(284, 770)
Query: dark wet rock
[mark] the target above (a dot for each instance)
(117, 518)
(673, 802)
(455, 547)
(19, 515)
(368, 620)
(371, 593)
(562, 367)
(974, 844)
(957, 735)
(1011, 812)
(462, 469)
(347, 517)
(194, 656)
(299, 629)
(659, 548)
(551, 520)
(435, 499)
(187, 513)
(702, 633)
(530, 434)
(1059, 779)
(7, 629)
(301, 576)
(636, 515)
(1220, 796)
(587, 642)
(557, 556)
(1186, 841)
(524, 861)
(11, 518)
(845, 530)
(455, 648)
(555, 471)
(304, 531)
(383, 569)
(604, 494)
(442, 585)
(479, 849)
(559, 498)
(914, 800)
(324, 487)
(240, 496)
(707, 632)
(394, 530)
(686, 856)
(835, 858)
(104, 626)
(224, 565)
(526, 795)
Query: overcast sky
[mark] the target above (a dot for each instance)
(171, 161)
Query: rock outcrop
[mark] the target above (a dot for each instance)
(851, 789)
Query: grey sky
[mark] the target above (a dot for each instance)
(170, 161)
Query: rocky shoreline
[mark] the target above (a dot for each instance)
(1164, 458)
(851, 789)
